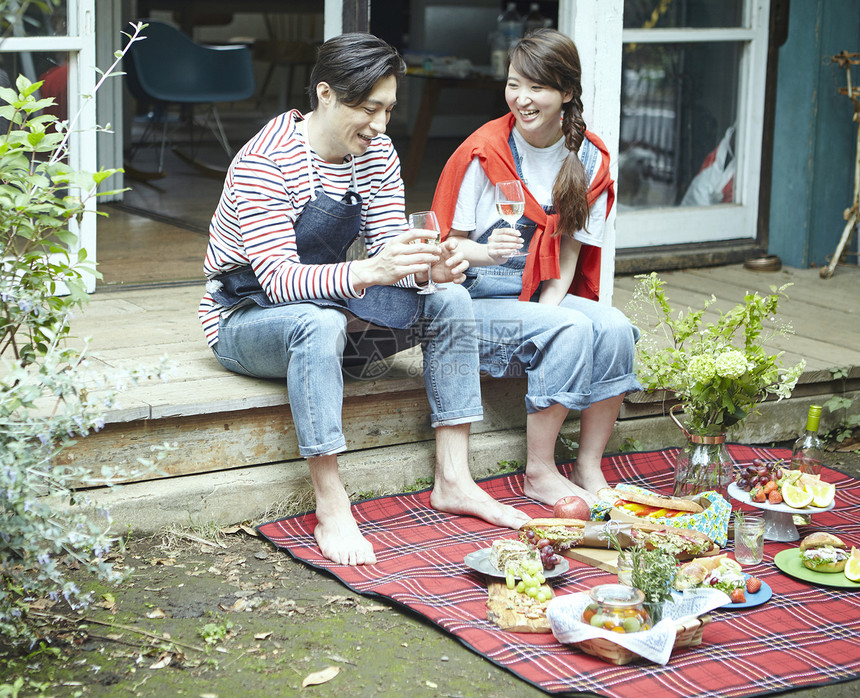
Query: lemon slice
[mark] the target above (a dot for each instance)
(796, 497)
(852, 568)
(822, 493)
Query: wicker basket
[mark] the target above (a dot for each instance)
(689, 634)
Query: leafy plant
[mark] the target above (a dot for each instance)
(850, 421)
(720, 371)
(50, 394)
(651, 571)
(213, 633)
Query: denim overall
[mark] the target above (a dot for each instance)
(324, 231)
(502, 280)
(312, 343)
(574, 354)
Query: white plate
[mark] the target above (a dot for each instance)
(736, 492)
(479, 560)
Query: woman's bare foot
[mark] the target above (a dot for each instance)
(588, 478)
(466, 498)
(546, 484)
(340, 540)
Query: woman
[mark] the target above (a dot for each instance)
(538, 315)
(282, 301)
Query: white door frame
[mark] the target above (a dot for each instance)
(79, 44)
(597, 28)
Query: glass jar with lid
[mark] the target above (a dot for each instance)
(618, 608)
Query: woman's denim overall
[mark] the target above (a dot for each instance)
(308, 343)
(574, 354)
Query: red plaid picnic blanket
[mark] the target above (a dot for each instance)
(805, 635)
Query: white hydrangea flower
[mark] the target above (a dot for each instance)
(732, 364)
(701, 369)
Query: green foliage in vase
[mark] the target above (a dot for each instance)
(50, 393)
(719, 370)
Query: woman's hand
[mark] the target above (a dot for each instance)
(502, 243)
(452, 265)
(403, 255)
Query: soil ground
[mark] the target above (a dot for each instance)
(228, 615)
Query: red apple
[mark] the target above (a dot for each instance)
(572, 507)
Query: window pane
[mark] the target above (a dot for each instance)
(50, 67)
(671, 14)
(41, 19)
(678, 113)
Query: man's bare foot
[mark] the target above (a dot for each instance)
(340, 540)
(546, 484)
(468, 499)
(588, 478)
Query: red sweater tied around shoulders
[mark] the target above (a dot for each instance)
(490, 145)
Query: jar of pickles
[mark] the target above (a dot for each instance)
(618, 608)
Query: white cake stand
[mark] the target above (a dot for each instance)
(778, 518)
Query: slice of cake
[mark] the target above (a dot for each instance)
(509, 553)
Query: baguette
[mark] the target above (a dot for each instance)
(648, 504)
(564, 534)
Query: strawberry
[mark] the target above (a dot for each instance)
(753, 585)
(770, 486)
(775, 497)
(759, 496)
(738, 596)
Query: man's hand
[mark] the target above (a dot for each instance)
(502, 243)
(403, 255)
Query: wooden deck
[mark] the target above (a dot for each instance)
(222, 421)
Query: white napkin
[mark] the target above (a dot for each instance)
(565, 620)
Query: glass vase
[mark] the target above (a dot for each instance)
(702, 465)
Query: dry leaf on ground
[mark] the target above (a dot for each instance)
(319, 677)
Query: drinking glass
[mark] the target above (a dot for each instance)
(510, 205)
(749, 539)
(426, 222)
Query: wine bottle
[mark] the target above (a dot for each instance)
(806, 453)
(809, 448)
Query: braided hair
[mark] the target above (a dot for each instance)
(548, 57)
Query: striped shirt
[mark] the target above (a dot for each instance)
(267, 187)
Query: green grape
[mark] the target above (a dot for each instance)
(532, 592)
(510, 580)
(521, 587)
(544, 595)
(540, 578)
(528, 580)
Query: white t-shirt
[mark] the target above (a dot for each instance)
(476, 205)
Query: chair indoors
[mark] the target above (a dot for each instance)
(168, 69)
(291, 43)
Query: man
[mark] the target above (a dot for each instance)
(281, 297)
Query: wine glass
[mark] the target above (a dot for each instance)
(510, 205)
(426, 222)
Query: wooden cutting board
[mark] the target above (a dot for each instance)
(601, 558)
(505, 608)
(607, 560)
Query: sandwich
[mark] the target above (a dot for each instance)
(717, 572)
(564, 534)
(649, 505)
(508, 555)
(823, 552)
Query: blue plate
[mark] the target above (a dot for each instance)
(761, 596)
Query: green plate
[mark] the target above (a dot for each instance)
(789, 562)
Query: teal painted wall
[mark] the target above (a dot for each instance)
(814, 135)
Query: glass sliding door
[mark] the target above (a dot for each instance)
(692, 100)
